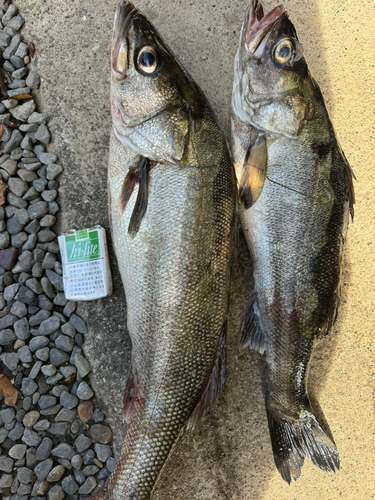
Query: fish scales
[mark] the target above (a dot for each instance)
(296, 194)
(174, 248)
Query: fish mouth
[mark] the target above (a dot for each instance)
(123, 17)
(258, 25)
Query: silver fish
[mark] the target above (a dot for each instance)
(172, 204)
(295, 196)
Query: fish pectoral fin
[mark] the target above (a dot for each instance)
(129, 397)
(254, 173)
(293, 440)
(215, 384)
(251, 334)
(137, 175)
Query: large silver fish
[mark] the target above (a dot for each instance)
(172, 203)
(296, 193)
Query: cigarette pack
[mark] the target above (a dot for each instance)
(86, 271)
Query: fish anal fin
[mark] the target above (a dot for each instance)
(254, 173)
(294, 439)
(129, 397)
(215, 384)
(251, 333)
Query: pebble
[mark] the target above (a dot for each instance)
(42, 425)
(58, 357)
(44, 449)
(12, 47)
(65, 415)
(24, 354)
(22, 112)
(103, 451)
(35, 369)
(88, 486)
(64, 450)
(46, 402)
(10, 166)
(82, 443)
(27, 296)
(33, 80)
(10, 360)
(24, 475)
(85, 411)
(56, 493)
(56, 474)
(38, 210)
(84, 391)
(4, 240)
(30, 418)
(10, 291)
(38, 343)
(49, 325)
(31, 438)
(68, 400)
(18, 343)
(7, 415)
(17, 432)
(57, 282)
(69, 485)
(7, 480)
(101, 433)
(78, 323)
(42, 134)
(59, 428)
(43, 469)
(7, 337)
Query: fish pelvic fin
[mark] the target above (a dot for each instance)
(293, 440)
(251, 334)
(215, 384)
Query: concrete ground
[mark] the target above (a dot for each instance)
(229, 455)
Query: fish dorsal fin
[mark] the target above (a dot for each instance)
(254, 173)
(215, 384)
(251, 333)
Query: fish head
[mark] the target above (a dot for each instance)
(151, 94)
(272, 86)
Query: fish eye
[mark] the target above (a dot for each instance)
(148, 60)
(283, 51)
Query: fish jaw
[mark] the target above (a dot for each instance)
(124, 13)
(258, 25)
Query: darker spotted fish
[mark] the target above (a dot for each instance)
(296, 194)
(172, 206)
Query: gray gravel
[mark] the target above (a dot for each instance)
(55, 444)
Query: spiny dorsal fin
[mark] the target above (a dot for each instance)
(254, 173)
(214, 385)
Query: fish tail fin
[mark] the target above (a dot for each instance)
(293, 440)
(251, 334)
(214, 385)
